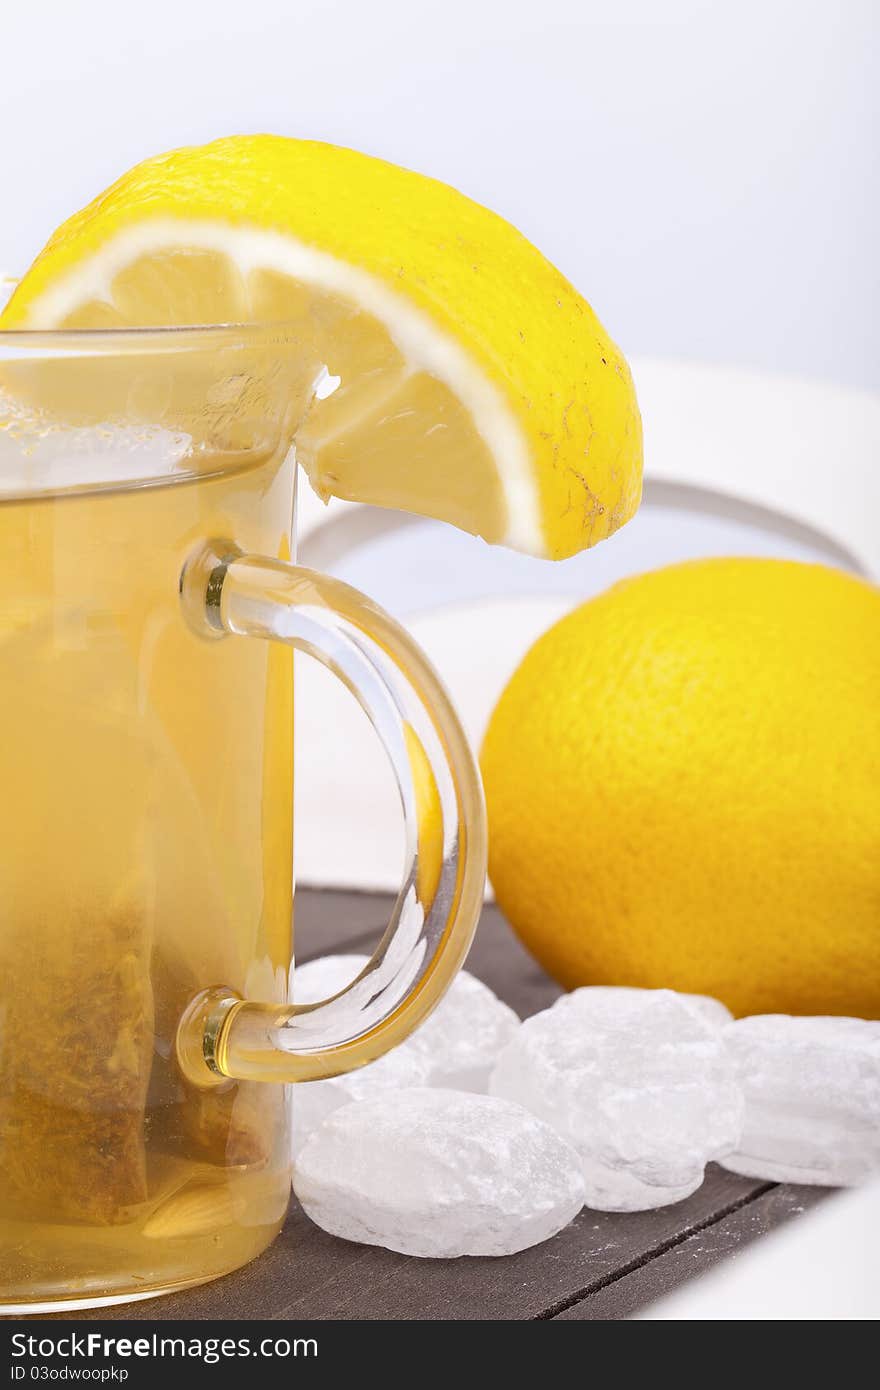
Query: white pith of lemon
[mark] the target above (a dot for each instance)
(474, 384)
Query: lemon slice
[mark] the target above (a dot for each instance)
(472, 382)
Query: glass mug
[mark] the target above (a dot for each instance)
(147, 497)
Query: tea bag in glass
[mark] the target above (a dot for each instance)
(75, 928)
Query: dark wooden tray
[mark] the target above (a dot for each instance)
(604, 1266)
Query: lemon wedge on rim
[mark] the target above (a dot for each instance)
(472, 382)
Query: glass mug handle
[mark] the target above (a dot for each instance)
(224, 1036)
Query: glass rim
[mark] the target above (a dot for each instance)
(79, 342)
(230, 348)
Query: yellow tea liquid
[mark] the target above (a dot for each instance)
(145, 854)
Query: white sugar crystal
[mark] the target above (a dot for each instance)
(637, 1081)
(455, 1047)
(313, 1101)
(712, 1010)
(464, 1036)
(320, 979)
(812, 1094)
(439, 1173)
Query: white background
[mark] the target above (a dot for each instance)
(704, 172)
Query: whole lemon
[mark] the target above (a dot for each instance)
(683, 786)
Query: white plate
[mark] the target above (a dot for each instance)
(736, 463)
